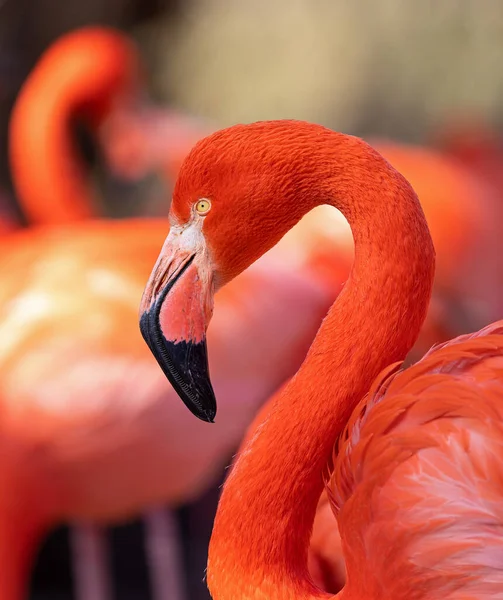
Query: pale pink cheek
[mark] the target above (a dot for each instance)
(183, 313)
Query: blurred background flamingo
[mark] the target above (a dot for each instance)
(78, 296)
(209, 65)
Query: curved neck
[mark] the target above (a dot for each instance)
(82, 76)
(266, 512)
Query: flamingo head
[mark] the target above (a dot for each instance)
(222, 219)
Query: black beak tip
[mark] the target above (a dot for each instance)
(209, 417)
(185, 364)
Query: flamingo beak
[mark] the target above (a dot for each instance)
(175, 310)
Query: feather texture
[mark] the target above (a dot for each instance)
(417, 481)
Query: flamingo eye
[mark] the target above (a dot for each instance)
(203, 206)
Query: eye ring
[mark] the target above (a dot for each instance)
(203, 206)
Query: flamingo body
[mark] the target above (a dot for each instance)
(416, 485)
(88, 427)
(74, 370)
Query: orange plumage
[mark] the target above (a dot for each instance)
(416, 483)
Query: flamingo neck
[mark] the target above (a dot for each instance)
(82, 77)
(264, 521)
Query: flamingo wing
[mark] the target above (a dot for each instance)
(417, 487)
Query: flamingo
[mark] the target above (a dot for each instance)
(132, 138)
(46, 105)
(92, 74)
(79, 426)
(450, 197)
(409, 458)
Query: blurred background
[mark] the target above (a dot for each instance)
(390, 69)
(402, 71)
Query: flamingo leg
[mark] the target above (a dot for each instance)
(90, 563)
(164, 556)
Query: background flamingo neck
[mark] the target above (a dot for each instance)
(263, 525)
(49, 175)
(84, 76)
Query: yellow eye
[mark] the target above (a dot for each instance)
(203, 206)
